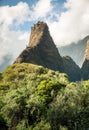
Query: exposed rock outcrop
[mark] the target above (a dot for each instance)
(85, 66)
(41, 49)
(71, 69)
(86, 55)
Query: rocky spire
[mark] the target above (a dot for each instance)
(41, 49)
(37, 32)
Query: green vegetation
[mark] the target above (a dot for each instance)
(35, 98)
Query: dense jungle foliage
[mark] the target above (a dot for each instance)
(35, 98)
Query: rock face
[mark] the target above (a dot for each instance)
(86, 56)
(85, 66)
(41, 49)
(71, 69)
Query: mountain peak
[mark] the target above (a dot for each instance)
(41, 49)
(37, 31)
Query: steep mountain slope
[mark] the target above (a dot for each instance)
(75, 50)
(41, 49)
(72, 70)
(85, 66)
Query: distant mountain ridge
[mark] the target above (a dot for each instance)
(71, 69)
(75, 50)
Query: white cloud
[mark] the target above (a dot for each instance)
(12, 42)
(24, 36)
(73, 24)
(18, 13)
(42, 8)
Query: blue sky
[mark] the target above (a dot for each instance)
(58, 8)
(68, 21)
(30, 2)
(15, 2)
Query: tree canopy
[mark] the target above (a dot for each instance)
(35, 98)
